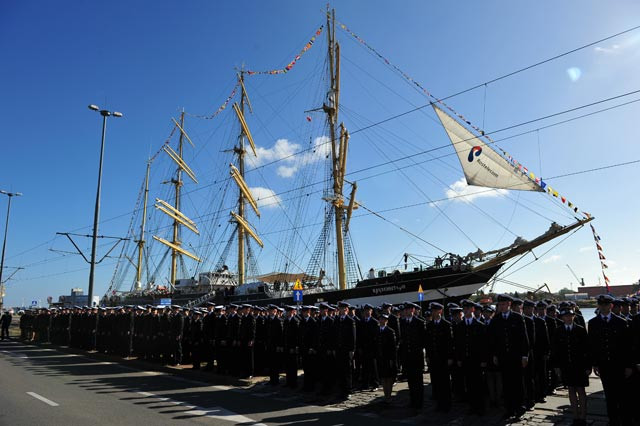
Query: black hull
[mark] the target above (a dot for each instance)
(438, 284)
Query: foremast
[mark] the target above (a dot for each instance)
(173, 211)
(141, 241)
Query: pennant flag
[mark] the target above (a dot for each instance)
(308, 118)
(290, 65)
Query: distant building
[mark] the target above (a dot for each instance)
(615, 290)
(76, 298)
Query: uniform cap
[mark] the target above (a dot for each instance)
(409, 305)
(517, 302)
(435, 305)
(343, 304)
(367, 306)
(466, 303)
(541, 304)
(452, 305)
(567, 311)
(385, 316)
(488, 308)
(386, 305)
(603, 299)
(529, 303)
(505, 298)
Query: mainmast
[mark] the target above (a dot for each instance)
(338, 144)
(177, 182)
(244, 193)
(138, 283)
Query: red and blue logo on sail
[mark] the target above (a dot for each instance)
(475, 151)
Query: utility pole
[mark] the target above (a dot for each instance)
(4, 242)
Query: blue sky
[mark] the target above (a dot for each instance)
(152, 59)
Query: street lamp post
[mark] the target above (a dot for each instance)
(4, 242)
(104, 113)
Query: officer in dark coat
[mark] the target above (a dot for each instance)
(233, 329)
(309, 348)
(291, 337)
(275, 344)
(530, 325)
(509, 346)
(412, 332)
(570, 358)
(386, 353)
(470, 342)
(541, 348)
(608, 347)
(439, 349)
(246, 340)
(326, 348)
(345, 346)
(209, 332)
(366, 336)
(175, 335)
(196, 338)
(223, 345)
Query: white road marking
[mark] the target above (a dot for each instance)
(43, 399)
(213, 412)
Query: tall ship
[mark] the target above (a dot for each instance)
(216, 208)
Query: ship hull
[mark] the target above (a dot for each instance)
(438, 284)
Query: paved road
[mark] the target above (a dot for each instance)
(44, 386)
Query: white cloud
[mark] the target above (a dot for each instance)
(574, 73)
(552, 259)
(585, 249)
(460, 191)
(286, 153)
(265, 197)
(618, 48)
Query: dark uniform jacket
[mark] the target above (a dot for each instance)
(470, 341)
(508, 339)
(439, 341)
(609, 341)
(570, 349)
(345, 334)
(413, 342)
(541, 346)
(247, 330)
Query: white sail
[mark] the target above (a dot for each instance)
(483, 166)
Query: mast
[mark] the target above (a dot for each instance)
(244, 192)
(241, 153)
(176, 225)
(138, 284)
(338, 144)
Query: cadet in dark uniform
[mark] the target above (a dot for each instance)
(291, 337)
(470, 342)
(412, 332)
(366, 336)
(541, 349)
(309, 348)
(275, 344)
(326, 348)
(439, 348)
(610, 358)
(175, 335)
(509, 346)
(197, 339)
(386, 354)
(530, 325)
(570, 358)
(345, 346)
(246, 340)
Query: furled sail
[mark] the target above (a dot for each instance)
(482, 165)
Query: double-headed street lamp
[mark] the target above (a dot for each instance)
(104, 113)
(4, 242)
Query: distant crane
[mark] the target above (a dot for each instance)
(580, 280)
